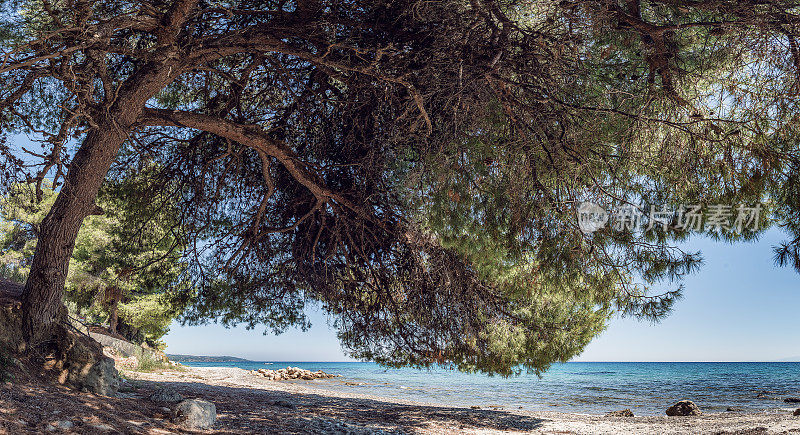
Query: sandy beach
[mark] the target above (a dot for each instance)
(247, 403)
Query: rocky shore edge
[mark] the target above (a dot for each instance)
(292, 373)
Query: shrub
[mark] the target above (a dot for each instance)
(150, 363)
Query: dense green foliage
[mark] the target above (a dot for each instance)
(122, 264)
(416, 166)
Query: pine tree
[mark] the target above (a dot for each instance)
(416, 167)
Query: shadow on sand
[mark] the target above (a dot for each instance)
(33, 409)
(268, 411)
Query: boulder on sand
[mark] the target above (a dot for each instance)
(195, 414)
(797, 411)
(683, 408)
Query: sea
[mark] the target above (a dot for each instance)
(646, 388)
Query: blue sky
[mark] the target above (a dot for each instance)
(738, 307)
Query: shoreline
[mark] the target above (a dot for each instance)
(589, 391)
(246, 400)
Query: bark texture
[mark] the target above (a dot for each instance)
(44, 289)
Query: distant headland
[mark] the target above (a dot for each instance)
(202, 358)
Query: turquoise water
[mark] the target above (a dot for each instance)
(592, 388)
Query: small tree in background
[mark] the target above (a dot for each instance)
(121, 265)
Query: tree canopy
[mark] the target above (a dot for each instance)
(415, 166)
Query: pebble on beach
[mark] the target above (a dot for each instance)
(292, 373)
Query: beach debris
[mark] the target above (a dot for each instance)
(195, 414)
(292, 373)
(165, 395)
(792, 400)
(796, 411)
(623, 413)
(683, 408)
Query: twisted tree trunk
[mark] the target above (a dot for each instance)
(44, 290)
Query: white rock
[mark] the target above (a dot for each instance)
(66, 424)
